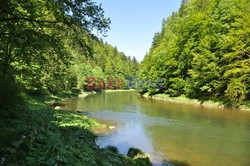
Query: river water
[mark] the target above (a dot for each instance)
(181, 133)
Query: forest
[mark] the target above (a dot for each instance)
(49, 47)
(203, 52)
(47, 50)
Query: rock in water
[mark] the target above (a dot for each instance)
(111, 127)
(79, 111)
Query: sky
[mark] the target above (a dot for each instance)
(134, 23)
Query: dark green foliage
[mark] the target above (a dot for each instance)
(107, 62)
(37, 38)
(10, 95)
(112, 149)
(139, 157)
(203, 51)
(133, 152)
(49, 47)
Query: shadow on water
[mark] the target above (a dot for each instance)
(173, 163)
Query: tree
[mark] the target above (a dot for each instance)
(203, 52)
(37, 38)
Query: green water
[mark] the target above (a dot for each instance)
(188, 134)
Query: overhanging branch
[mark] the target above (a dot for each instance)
(16, 19)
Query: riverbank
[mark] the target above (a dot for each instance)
(37, 134)
(186, 100)
(119, 90)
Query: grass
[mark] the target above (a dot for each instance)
(36, 134)
(183, 99)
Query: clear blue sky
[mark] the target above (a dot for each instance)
(134, 23)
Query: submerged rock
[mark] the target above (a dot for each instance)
(79, 111)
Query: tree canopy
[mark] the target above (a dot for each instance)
(203, 51)
(47, 46)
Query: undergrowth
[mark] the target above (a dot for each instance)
(35, 134)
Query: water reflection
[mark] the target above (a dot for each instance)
(183, 134)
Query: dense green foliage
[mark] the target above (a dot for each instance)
(38, 135)
(106, 62)
(203, 52)
(48, 46)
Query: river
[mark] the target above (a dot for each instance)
(189, 135)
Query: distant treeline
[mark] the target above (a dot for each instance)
(203, 52)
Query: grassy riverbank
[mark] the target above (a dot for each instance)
(36, 134)
(186, 100)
